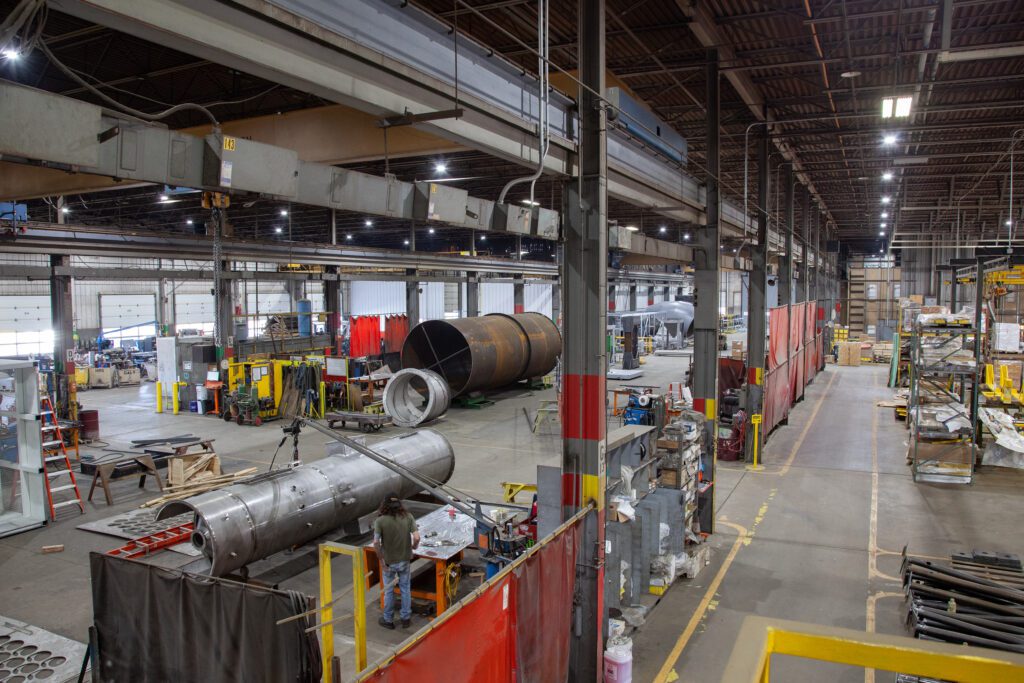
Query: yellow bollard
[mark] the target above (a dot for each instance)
(755, 420)
(323, 400)
(159, 398)
(174, 397)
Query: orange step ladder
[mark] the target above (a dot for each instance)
(56, 464)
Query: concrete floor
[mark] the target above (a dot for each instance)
(801, 529)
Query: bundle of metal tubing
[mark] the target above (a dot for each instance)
(970, 604)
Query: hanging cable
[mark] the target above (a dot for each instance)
(542, 81)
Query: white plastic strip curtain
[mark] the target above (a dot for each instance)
(537, 298)
(25, 325)
(378, 298)
(432, 300)
(496, 297)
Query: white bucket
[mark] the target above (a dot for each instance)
(202, 393)
(618, 665)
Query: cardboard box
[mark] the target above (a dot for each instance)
(1006, 337)
(849, 353)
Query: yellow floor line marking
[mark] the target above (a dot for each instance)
(668, 667)
(873, 571)
(667, 672)
(807, 428)
(869, 674)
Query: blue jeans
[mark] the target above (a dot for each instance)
(399, 571)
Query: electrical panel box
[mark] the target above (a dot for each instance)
(619, 237)
(545, 224)
(512, 218)
(437, 202)
(238, 164)
(479, 213)
(49, 127)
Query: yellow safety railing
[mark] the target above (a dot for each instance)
(328, 599)
(760, 638)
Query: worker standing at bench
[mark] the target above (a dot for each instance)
(394, 537)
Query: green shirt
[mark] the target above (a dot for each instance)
(395, 534)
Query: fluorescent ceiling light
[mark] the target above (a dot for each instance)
(849, 74)
(530, 203)
(632, 228)
(896, 107)
(904, 161)
(523, 252)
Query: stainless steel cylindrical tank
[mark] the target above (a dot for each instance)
(255, 518)
(413, 397)
(485, 352)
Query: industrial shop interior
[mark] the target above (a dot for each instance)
(511, 341)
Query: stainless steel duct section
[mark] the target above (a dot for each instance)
(253, 519)
(413, 397)
(485, 352)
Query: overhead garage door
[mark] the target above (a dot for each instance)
(22, 313)
(193, 309)
(132, 315)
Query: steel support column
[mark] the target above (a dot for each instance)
(332, 306)
(472, 295)
(757, 327)
(786, 259)
(952, 290)
(611, 297)
(412, 299)
(706, 284)
(650, 295)
(632, 295)
(679, 293)
(518, 294)
(62, 321)
(583, 357)
(805, 233)
(979, 309)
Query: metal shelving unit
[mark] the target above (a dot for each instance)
(939, 453)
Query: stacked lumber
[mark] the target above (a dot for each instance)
(192, 469)
(205, 484)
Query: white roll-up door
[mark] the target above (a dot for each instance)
(377, 298)
(194, 309)
(126, 310)
(24, 313)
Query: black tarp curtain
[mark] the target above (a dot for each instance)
(157, 624)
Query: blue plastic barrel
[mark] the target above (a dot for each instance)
(305, 307)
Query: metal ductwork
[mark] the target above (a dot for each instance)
(413, 397)
(486, 352)
(256, 518)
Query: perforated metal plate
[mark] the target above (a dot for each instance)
(137, 523)
(29, 653)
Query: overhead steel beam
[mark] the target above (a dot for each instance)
(386, 60)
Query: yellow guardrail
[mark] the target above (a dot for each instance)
(760, 638)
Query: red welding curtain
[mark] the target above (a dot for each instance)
(516, 631)
(364, 336)
(778, 328)
(396, 329)
(544, 589)
(796, 327)
(812, 308)
(776, 397)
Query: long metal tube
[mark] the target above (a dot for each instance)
(253, 519)
(485, 352)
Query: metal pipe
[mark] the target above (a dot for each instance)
(255, 518)
(485, 352)
(413, 397)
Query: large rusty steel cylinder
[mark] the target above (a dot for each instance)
(487, 352)
(257, 517)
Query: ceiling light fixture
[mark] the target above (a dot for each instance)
(11, 55)
(188, 221)
(889, 139)
(886, 200)
(662, 229)
(896, 107)
(431, 231)
(882, 225)
(277, 230)
(881, 233)
(368, 223)
(348, 236)
(440, 168)
(483, 238)
(887, 175)
(284, 212)
(405, 242)
(686, 236)
(849, 74)
(632, 228)
(885, 214)
(65, 209)
(530, 202)
(1009, 223)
